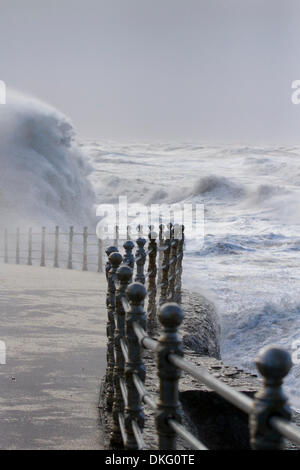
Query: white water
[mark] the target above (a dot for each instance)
(249, 265)
(43, 174)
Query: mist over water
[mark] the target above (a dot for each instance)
(44, 174)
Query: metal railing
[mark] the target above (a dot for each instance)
(269, 413)
(78, 250)
(163, 259)
(58, 248)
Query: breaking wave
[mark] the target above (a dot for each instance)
(218, 187)
(44, 176)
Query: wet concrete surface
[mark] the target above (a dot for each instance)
(53, 323)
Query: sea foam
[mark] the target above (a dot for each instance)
(44, 175)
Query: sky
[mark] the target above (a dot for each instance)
(159, 70)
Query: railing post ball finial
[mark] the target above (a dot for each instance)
(124, 274)
(128, 245)
(136, 293)
(109, 251)
(170, 317)
(115, 259)
(128, 257)
(141, 242)
(274, 364)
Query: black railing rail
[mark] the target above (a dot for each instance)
(269, 413)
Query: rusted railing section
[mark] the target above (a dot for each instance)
(269, 412)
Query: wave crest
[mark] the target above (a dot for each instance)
(44, 177)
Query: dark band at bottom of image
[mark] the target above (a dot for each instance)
(139, 459)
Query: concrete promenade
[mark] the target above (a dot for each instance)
(53, 322)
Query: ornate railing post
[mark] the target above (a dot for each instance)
(56, 246)
(178, 274)
(5, 246)
(136, 294)
(18, 246)
(129, 257)
(100, 257)
(152, 271)
(140, 259)
(172, 267)
(109, 251)
(273, 364)
(165, 270)
(85, 245)
(29, 260)
(115, 259)
(124, 274)
(170, 317)
(43, 247)
(70, 254)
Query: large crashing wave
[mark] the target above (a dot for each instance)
(44, 177)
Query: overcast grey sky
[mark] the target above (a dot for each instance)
(213, 70)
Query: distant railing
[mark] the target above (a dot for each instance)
(125, 376)
(58, 248)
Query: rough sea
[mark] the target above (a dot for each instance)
(249, 262)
